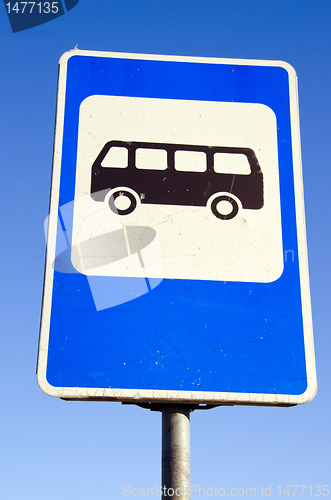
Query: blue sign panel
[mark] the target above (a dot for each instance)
(176, 253)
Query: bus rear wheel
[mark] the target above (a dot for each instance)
(224, 207)
(122, 202)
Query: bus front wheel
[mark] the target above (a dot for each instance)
(224, 207)
(122, 202)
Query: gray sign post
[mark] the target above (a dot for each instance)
(176, 471)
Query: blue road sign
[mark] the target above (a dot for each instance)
(176, 262)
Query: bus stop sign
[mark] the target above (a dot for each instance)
(176, 266)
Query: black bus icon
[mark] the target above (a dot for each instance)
(170, 184)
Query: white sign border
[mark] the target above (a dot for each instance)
(142, 395)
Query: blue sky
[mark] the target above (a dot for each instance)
(54, 449)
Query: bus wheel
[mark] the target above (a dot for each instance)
(122, 202)
(224, 207)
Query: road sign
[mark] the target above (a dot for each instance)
(176, 262)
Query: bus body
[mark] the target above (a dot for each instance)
(174, 187)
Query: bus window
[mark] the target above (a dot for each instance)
(116, 158)
(229, 163)
(151, 159)
(190, 161)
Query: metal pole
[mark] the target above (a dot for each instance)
(176, 473)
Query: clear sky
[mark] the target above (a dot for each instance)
(52, 449)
